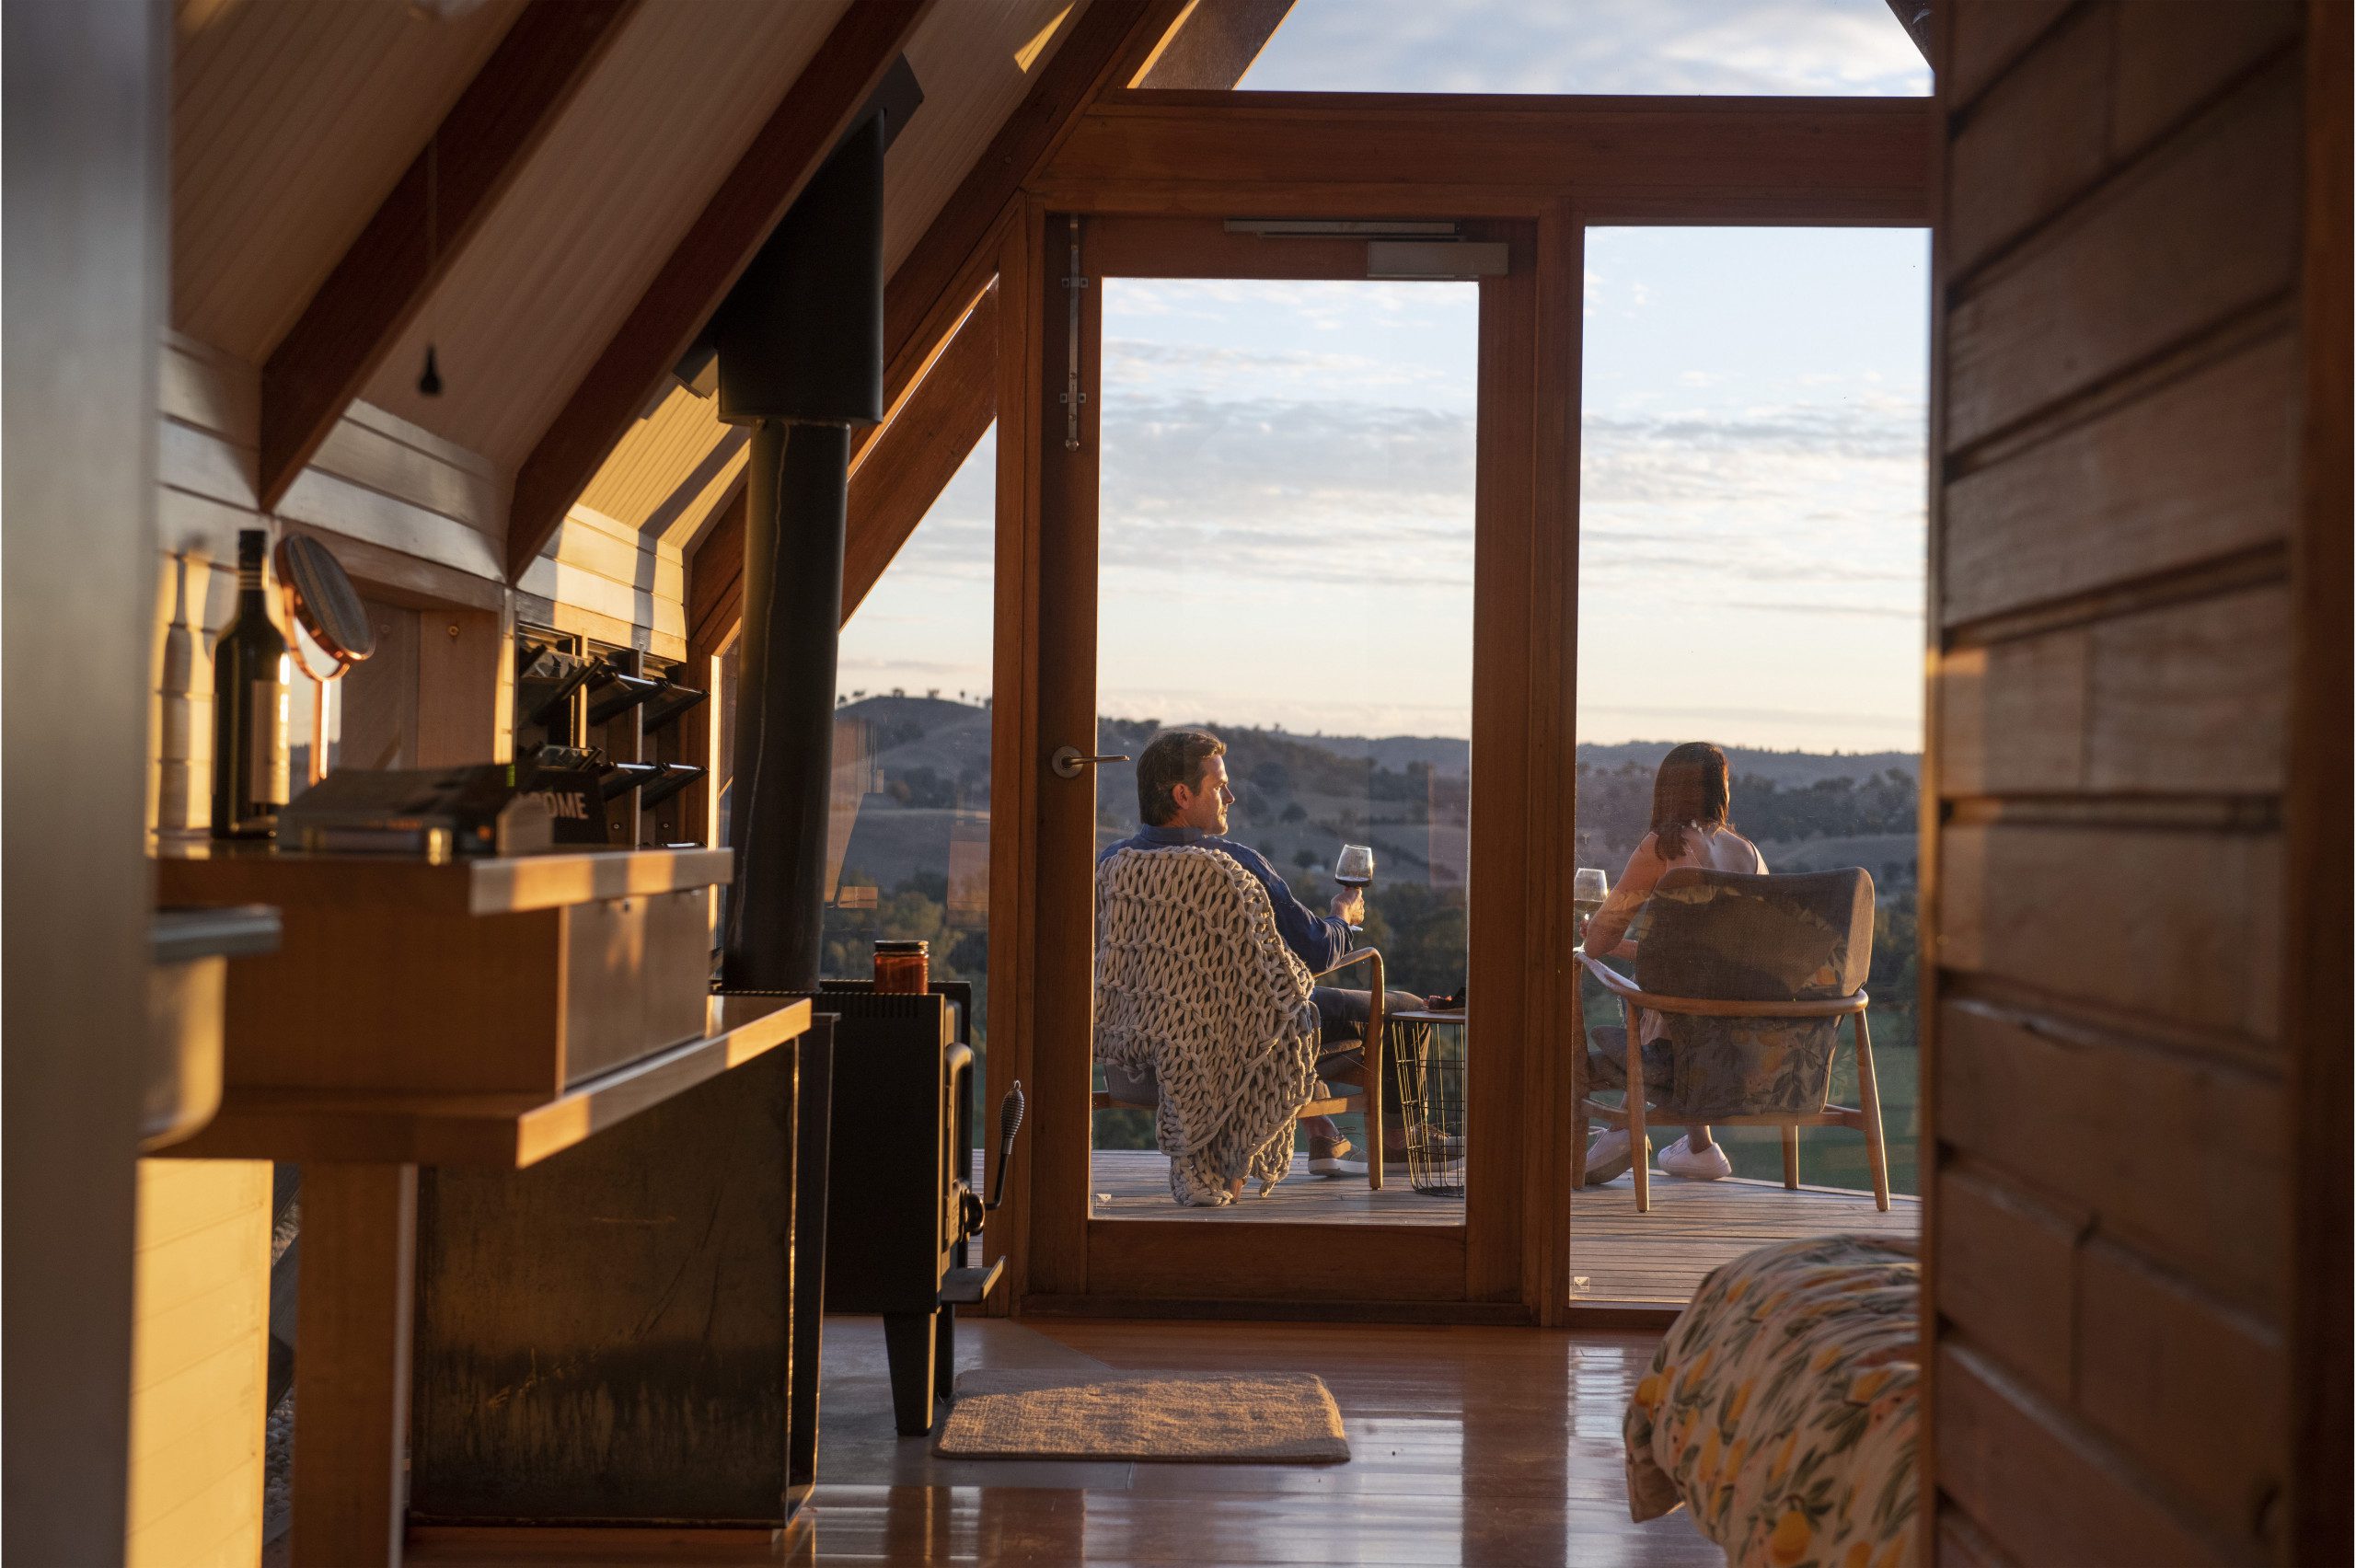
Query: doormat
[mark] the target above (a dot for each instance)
(1268, 1418)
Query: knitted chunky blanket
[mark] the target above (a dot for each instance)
(1195, 986)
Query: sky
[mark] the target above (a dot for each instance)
(1288, 467)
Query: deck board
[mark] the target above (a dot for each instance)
(1617, 1254)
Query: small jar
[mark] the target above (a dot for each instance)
(902, 966)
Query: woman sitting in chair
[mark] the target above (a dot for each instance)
(1691, 797)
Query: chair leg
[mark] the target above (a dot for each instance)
(1579, 1146)
(1791, 1159)
(1376, 1048)
(1869, 1102)
(1638, 1162)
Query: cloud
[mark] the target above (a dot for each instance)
(1597, 46)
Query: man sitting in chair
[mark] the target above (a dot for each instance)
(1182, 796)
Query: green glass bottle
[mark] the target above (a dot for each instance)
(249, 698)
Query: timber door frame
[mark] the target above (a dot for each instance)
(1518, 906)
(1548, 168)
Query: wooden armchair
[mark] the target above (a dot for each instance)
(1779, 939)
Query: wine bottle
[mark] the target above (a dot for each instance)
(249, 680)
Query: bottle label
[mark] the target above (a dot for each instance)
(266, 766)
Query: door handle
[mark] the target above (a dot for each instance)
(1068, 760)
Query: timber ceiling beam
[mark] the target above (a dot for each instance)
(379, 284)
(705, 263)
(1851, 160)
(1212, 45)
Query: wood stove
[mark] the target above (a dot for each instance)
(901, 1210)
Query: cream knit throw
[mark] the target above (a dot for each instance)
(1195, 985)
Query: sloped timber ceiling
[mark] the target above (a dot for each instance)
(290, 123)
(970, 57)
(592, 214)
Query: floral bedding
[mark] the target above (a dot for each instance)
(1781, 1407)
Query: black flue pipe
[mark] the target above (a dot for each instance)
(801, 360)
(785, 711)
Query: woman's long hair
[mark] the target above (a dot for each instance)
(1690, 789)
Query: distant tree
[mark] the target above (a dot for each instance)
(1305, 858)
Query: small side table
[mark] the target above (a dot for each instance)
(1432, 1095)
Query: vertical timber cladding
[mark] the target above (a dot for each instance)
(2119, 395)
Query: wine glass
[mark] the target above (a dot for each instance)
(1589, 890)
(1354, 866)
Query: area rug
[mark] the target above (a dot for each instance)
(1270, 1418)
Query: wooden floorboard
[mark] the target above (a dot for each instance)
(1468, 1446)
(1617, 1254)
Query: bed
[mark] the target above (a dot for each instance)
(1781, 1407)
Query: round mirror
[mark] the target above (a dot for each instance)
(322, 601)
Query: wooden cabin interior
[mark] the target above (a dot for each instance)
(595, 1199)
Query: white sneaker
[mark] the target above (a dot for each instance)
(1679, 1159)
(1607, 1157)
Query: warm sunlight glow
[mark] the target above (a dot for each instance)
(1028, 55)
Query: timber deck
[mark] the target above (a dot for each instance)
(1617, 1254)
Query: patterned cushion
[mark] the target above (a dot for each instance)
(1731, 937)
(1195, 989)
(1782, 1407)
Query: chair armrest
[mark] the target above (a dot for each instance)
(1372, 958)
(1626, 990)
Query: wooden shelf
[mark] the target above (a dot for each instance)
(494, 1131)
(208, 873)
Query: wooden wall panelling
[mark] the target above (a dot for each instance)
(2044, 1490)
(2194, 1390)
(2180, 926)
(702, 266)
(1014, 729)
(1985, 40)
(2179, 699)
(200, 1363)
(2316, 811)
(2121, 389)
(353, 1382)
(2009, 1279)
(384, 278)
(2190, 1172)
(460, 656)
(380, 716)
(2227, 424)
(2211, 220)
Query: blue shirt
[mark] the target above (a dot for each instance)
(1319, 941)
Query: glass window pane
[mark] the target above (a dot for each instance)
(1752, 545)
(1818, 47)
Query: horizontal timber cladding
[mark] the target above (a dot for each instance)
(2123, 359)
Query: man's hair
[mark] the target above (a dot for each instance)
(1172, 758)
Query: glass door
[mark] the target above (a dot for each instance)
(1266, 510)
